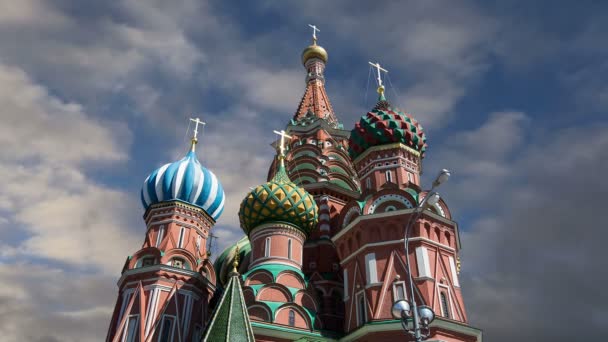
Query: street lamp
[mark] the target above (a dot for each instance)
(420, 316)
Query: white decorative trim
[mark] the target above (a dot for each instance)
(348, 216)
(399, 212)
(453, 271)
(390, 242)
(400, 283)
(371, 271)
(422, 258)
(126, 329)
(386, 198)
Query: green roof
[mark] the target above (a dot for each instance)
(275, 270)
(230, 320)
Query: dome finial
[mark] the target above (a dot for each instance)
(235, 263)
(314, 33)
(381, 96)
(194, 140)
(314, 50)
(281, 151)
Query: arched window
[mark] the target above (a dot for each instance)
(159, 237)
(147, 261)
(292, 318)
(390, 208)
(182, 234)
(444, 305)
(361, 314)
(180, 263)
(267, 247)
(389, 177)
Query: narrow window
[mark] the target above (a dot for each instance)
(399, 290)
(410, 178)
(444, 305)
(166, 332)
(345, 284)
(361, 315)
(131, 329)
(371, 272)
(196, 335)
(147, 261)
(159, 237)
(368, 182)
(292, 318)
(389, 177)
(289, 249)
(180, 242)
(267, 247)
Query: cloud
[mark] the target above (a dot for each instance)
(536, 209)
(39, 303)
(45, 146)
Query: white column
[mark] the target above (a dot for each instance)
(422, 258)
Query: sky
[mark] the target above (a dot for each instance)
(94, 95)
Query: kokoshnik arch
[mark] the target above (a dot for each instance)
(322, 258)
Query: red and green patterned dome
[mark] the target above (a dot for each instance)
(385, 125)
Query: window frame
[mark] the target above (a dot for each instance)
(162, 328)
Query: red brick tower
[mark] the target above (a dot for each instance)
(387, 147)
(166, 285)
(317, 159)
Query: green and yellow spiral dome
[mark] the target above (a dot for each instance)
(279, 200)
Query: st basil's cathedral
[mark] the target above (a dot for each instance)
(323, 256)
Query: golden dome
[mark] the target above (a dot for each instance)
(312, 51)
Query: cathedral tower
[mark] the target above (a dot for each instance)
(387, 147)
(278, 216)
(166, 285)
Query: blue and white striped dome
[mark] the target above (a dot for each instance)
(186, 180)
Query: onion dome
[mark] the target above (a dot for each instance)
(313, 51)
(224, 263)
(279, 200)
(386, 125)
(185, 180)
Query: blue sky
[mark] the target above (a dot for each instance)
(95, 95)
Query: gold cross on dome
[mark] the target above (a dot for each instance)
(378, 68)
(282, 142)
(314, 32)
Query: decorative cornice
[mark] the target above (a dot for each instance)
(177, 204)
(383, 148)
(392, 214)
(276, 226)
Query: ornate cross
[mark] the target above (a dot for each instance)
(378, 68)
(282, 142)
(197, 121)
(314, 32)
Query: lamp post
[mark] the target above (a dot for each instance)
(421, 316)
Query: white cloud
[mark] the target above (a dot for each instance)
(45, 145)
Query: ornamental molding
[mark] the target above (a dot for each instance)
(178, 204)
(276, 228)
(389, 198)
(383, 148)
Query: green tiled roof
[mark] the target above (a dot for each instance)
(275, 270)
(230, 320)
